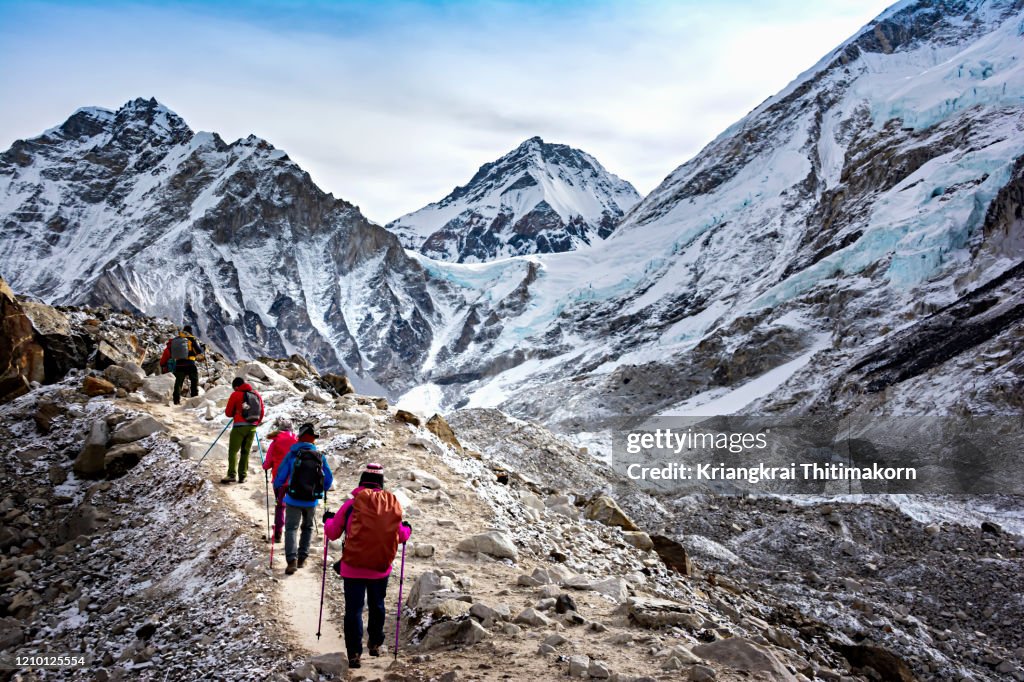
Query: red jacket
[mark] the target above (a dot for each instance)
(279, 447)
(165, 358)
(234, 406)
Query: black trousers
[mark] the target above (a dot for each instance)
(357, 592)
(181, 372)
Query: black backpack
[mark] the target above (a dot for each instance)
(251, 407)
(307, 481)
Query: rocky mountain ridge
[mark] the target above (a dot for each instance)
(538, 198)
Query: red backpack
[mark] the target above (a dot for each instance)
(371, 540)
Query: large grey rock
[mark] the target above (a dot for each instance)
(335, 665)
(130, 377)
(317, 395)
(578, 666)
(493, 542)
(216, 395)
(638, 539)
(136, 429)
(449, 632)
(451, 608)
(11, 633)
(423, 479)
(652, 612)
(158, 387)
(533, 618)
(742, 654)
(426, 586)
(616, 589)
(89, 463)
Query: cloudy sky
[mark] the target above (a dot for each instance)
(392, 104)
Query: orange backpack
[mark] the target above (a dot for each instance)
(371, 541)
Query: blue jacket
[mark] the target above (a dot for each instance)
(284, 474)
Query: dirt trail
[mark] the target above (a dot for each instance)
(297, 598)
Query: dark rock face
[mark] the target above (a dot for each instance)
(21, 356)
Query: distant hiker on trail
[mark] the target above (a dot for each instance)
(179, 356)
(373, 527)
(245, 407)
(281, 441)
(308, 478)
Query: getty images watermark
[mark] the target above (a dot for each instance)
(823, 455)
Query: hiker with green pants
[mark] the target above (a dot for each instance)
(245, 407)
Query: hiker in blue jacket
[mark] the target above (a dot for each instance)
(308, 477)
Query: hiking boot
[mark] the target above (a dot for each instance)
(375, 650)
(241, 480)
(302, 561)
(291, 567)
(227, 479)
(353, 662)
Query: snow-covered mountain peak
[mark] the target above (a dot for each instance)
(540, 197)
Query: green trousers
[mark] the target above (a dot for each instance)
(239, 445)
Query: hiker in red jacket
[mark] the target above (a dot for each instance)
(281, 441)
(245, 407)
(373, 527)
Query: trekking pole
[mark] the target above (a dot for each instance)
(266, 481)
(323, 576)
(401, 584)
(266, 493)
(214, 443)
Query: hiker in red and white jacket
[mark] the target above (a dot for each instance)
(245, 407)
(372, 522)
(281, 441)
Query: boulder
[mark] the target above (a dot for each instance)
(652, 612)
(407, 417)
(217, 394)
(158, 387)
(422, 479)
(598, 670)
(638, 539)
(702, 673)
(440, 428)
(118, 349)
(136, 429)
(578, 666)
(90, 460)
(422, 550)
(742, 654)
(451, 608)
(426, 586)
(262, 372)
(11, 632)
(318, 395)
(122, 458)
(46, 412)
(94, 386)
(533, 618)
(672, 554)
(339, 383)
(605, 510)
(334, 665)
(494, 543)
(129, 377)
(616, 589)
(452, 632)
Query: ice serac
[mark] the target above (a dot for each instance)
(132, 208)
(538, 198)
(811, 256)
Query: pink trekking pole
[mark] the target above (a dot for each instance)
(323, 577)
(401, 584)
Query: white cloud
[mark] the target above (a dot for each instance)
(392, 105)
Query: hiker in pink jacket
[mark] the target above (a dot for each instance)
(372, 522)
(281, 441)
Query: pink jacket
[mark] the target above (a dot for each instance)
(279, 447)
(333, 528)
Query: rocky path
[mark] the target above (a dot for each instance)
(295, 593)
